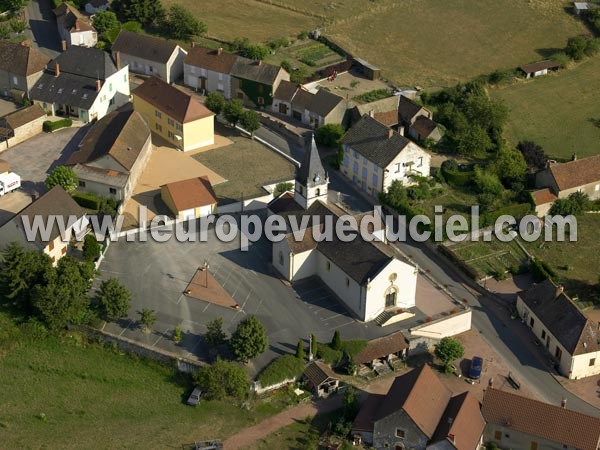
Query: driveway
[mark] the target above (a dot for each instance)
(43, 31)
(6, 106)
(158, 273)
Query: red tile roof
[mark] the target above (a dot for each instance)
(192, 193)
(543, 196)
(576, 173)
(543, 420)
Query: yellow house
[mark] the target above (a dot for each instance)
(190, 199)
(174, 115)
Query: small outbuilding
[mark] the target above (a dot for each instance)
(383, 350)
(320, 379)
(539, 68)
(21, 125)
(190, 199)
(543, 199)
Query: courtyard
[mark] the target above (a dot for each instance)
(288, 313)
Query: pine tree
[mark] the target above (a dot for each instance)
(300, 350)
(336, 342)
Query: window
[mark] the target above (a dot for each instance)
(261, 88)
(15, 81)
(113, 191)
(558, 353)
(328, 266)
(543, 334)
(125, 78)
(81, 183)
(64, 250)
(375, 180)
(592, 362)
(346, 160)
(364, 160)
(531, 322)
(110, 87)
(364, 172)
(397, 168)
(178, 127)
(171, 122)
(355, 166)
(355, 154)
(280, 258)
(261, 100)
(317, 192)
(348, 282)
(597, 188)
(51, 246)
(158, 127)
(157, 113)
(400, 433)
(420, 161)
(498, 435)
(390, 298)
(171, 135)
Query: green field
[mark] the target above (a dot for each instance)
(492, 257)
(66, 394)
(561, 112)
(426, 42)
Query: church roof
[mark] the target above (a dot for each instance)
(311, 172)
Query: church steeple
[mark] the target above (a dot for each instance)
(311, 178)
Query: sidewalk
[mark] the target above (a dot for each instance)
(253, 434)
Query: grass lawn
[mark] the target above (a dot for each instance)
(246, 164)
(65, 394)
(491, 257)
(557, 111)
(425, 42)
(309, 55)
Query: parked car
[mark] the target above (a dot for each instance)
(194, 397)
(476, 367)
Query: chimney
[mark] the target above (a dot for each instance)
(372, 113)
(563, 403)
(56, 69)
(390, 133)
(118, 60)
(220, 51)
(491, 383)
(63, 45)
(193, 44)
(98, 85)
(559, 291)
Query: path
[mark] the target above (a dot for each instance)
(253, 434)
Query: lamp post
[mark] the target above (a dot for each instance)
(204, 267)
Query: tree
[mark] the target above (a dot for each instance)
(534, 155)
(62, 176)
(214, 334)
(146, 12)
(300, 350)
(222, 379)
(91, 248)
(256, 52)
(147, 317)
(472, 141)
(17, 25)
(61, 299)
(215, 102)
(20, 271)
(12, 5)
(336, 341)
(592, 47)
(181, 23)
(114, 299)
(448, 350)
(4, 31)
(232, 111)
(350, 403)
(105, 21)
(576, 48)
(250, 121)
(177, 334)
(249, 339)
(510, 165)
(329, 135)
(574, 204)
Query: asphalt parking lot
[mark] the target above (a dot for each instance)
(158, 273)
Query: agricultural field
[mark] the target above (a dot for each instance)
(425, 42)
(64, 393)
(560, 112)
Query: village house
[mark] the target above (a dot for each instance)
(320, 379)
(539, 68)
(20, 125)
(384, 110)
(419, 412)
(510, 424)
(578, 175)
(149, 55)
(416, 121)
(313, 109)
(190, 199)
(83, 83)
(383, 351)
(375, 156)
(252, 82)
(73, 27)
(20, 68)
(113, 154)
(563, 330)
(368, 277)
(409, 111)
(55, 202)
(174, 115)
(94, 6)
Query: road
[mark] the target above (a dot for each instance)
(42, 31)
(492, 322)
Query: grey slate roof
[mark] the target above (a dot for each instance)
(143, 46)
(408, 109)
(70, 89)
(311, 171)
(86, 62)
(249, 69)
(562, 318)
(285, 91)
(103, 176)
(372, 140)
(323, 102)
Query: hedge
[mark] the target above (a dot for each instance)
(50, 125)
(89, 201)
(541, 270)
(457, 178)
(517, 211)
(282, 368)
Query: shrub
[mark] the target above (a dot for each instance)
(329, 135)
(63, 176)
(576, 47)
(287, 66)
(89, 201)
(373, 95)
(303, 35)
(91, 248)
(281, 188)
(282, 368)
(329, 355)
(222, 379)
(256, 52)
(215, 102)
(353, 347)
(541, 270)
(454, 176)
(50, 126)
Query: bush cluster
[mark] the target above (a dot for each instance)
(50, 126)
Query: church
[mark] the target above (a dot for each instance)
(368, 277)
